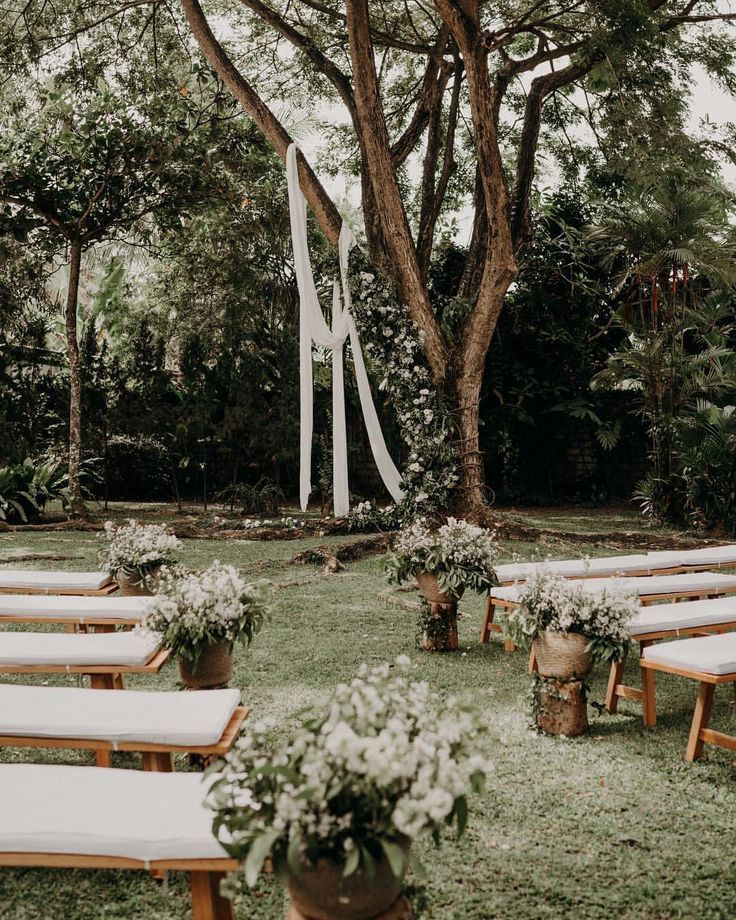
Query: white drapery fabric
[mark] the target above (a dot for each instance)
(313, 328)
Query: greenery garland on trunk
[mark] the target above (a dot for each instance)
(393, 344)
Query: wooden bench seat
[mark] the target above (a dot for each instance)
(710, 660)
(76, 613)
(26, 581)
(157, 724)
(82, 818)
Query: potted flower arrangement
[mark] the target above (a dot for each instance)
(201, 616)
(445, 562)
(569, 625)
(135, 554)
(337, 806)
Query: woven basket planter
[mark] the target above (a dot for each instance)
(323, 893)
(212, 670)
(133, 585)
(562, 655)
(430, 588)
(562, 708)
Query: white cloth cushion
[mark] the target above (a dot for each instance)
(54, 581)
(688, 582)
(77, 649)
(82, 609)
(711, 555)
(119, 813)
(574, 568)
(195, 718)
(709, 654)
(684, 615)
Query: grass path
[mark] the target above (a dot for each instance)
(613, 824)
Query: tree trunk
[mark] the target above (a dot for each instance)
(77, 507)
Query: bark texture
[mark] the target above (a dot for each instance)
(76, 502)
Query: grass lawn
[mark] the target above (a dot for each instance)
(613, 824)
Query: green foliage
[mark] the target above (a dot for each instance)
(25, 489)
(263, 497)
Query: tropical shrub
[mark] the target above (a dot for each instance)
(26, 489)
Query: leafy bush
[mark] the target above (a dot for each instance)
(26, 488)
(262, 498)
(707, 467)
(138, 468)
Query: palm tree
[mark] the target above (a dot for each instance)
(672, 258)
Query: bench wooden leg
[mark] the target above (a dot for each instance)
(118, 682)
(614, 679)
(102, 681)
(104, 758)
(207, 902)
(158, 761)
(649, 698)
(533, 663)
(701, 718)
(485, 632)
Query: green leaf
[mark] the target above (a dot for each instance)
(259, 850)
(396, 857)
(461, 813)
(352, 862)
(294, 856)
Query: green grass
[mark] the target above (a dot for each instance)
(612, 824)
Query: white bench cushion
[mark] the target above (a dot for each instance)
(645, 586)
(684, 615)
(82, 609)
(76, 649)
(709, 654)
(711, 555)
(196, 718)
(118, 813)
(53, 581)
(575, 568)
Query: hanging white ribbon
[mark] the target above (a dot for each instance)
(313, 328)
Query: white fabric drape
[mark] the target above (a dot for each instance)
(313, 328)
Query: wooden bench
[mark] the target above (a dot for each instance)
(710, 660)
(650, 590)
(22, 581)
(82, 818)
(106, 658)
(156, 724)
(102, 614)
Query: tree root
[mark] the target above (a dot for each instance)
(332, 557)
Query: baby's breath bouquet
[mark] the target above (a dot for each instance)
(194, 611)
(387, 762)
(460, 555)
(599, 611)
(135, 549)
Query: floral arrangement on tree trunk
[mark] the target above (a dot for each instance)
(458, 554)
(393, 344)
(136, 550)
(596, 610)
(193, 612)
(386, 763)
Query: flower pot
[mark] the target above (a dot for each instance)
(323, 893)
(134, 585)
(562, 655)
(429, 586)
(562, 708)
(212, 669)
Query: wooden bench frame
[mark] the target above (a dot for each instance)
(636, 573)
(73, 622)
(204, 875)
(700, 734)
(156, 757)
(102, 676)
(646, 600)
(110, 588)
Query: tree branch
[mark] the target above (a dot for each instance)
(327, 214)
(395, 225)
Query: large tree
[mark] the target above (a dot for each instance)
(85, 161)
(621, 66)
(449, 103)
